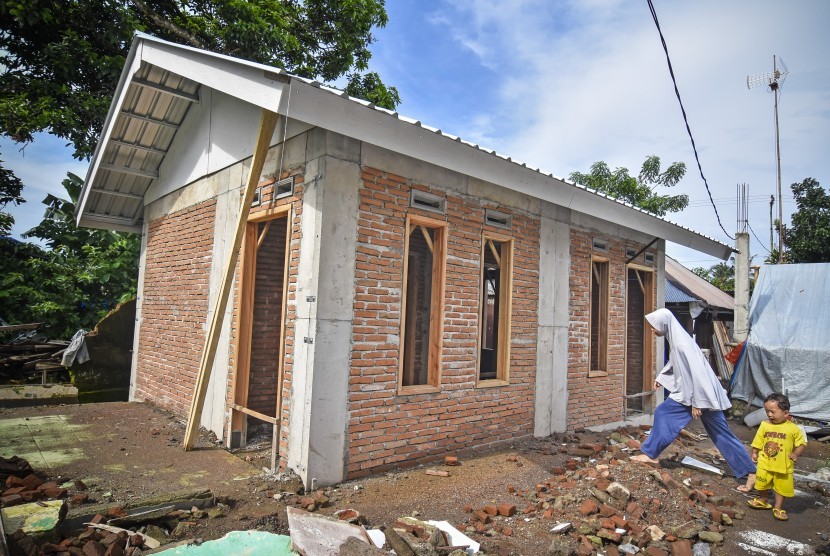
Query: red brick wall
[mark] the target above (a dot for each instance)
(174, 306)
(386, 429)
(597, 399)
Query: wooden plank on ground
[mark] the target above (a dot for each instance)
(268, 124)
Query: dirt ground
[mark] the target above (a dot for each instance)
(125, 452)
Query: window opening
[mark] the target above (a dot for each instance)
(599, 317)
(427, 201)
(498, 219)
(495, 309)
(423, 303)
(284, 188)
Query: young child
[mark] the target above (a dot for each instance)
(775, 449)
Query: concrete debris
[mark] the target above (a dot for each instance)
(561, 528)
(689, 461)
(316, 535)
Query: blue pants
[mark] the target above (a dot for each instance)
(669, 419)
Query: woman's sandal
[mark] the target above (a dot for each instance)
(780, 514)
(759, 504)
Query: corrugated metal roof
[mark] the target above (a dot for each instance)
(156, 102)
(697, 286)
(676, 295)
(155, 105)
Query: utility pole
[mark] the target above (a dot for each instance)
(771, 203)
(774, 81)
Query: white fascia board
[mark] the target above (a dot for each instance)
(253, 83)
(322, 108)
(131, 65)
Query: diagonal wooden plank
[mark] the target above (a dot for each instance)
(267, 124)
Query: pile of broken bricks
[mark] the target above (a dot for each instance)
(598, 500)
(37, 514)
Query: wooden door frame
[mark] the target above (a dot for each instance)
(244, 327)
(649, 303)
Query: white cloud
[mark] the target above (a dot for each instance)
(579, 82)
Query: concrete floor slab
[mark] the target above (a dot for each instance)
(46, 442)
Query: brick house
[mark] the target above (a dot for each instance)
(400, 294)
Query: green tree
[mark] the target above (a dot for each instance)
(75, 282)
(60, 61)
(639, 191)
(807, 238)
(721, 275)
(10, 189)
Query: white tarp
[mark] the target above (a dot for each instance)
(788, 348)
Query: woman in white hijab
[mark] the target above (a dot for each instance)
(694, 392)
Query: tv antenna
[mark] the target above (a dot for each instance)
(774, 81)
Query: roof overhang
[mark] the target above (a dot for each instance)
(161, 80)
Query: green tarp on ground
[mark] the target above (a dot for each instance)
(239, 543)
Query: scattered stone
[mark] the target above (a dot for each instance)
(701, 549)
(561, 546)
(710, 537)
(157, 533)
(655, 533)
(618, 491)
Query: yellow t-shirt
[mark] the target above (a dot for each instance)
(775, 443)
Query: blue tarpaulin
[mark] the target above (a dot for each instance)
(788, 348)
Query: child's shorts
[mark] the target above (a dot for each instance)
(782, 483)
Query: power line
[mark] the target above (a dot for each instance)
(756, 237)
(685, 119)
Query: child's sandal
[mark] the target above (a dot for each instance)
(780, 514)
(759, 504)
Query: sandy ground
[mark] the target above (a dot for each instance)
(125, 452)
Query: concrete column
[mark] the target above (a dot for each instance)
(139, 301)
(741, 327)
(551, 402)
(325, 303)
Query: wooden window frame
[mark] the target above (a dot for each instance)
(414, 224)
(505, 309)
(604, 308)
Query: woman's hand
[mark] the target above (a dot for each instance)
(656, 385)
(696, 413)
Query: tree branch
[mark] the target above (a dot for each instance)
(164, 24)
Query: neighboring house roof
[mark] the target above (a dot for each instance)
(686, 283)
(676, 295)
(161, 80)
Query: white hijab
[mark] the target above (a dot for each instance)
(687, 376)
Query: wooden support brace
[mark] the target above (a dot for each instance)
(257, 414)
(262, 235)
(427, 238)
(267, 125)
(494, 251)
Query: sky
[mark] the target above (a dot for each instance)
(563, 84)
